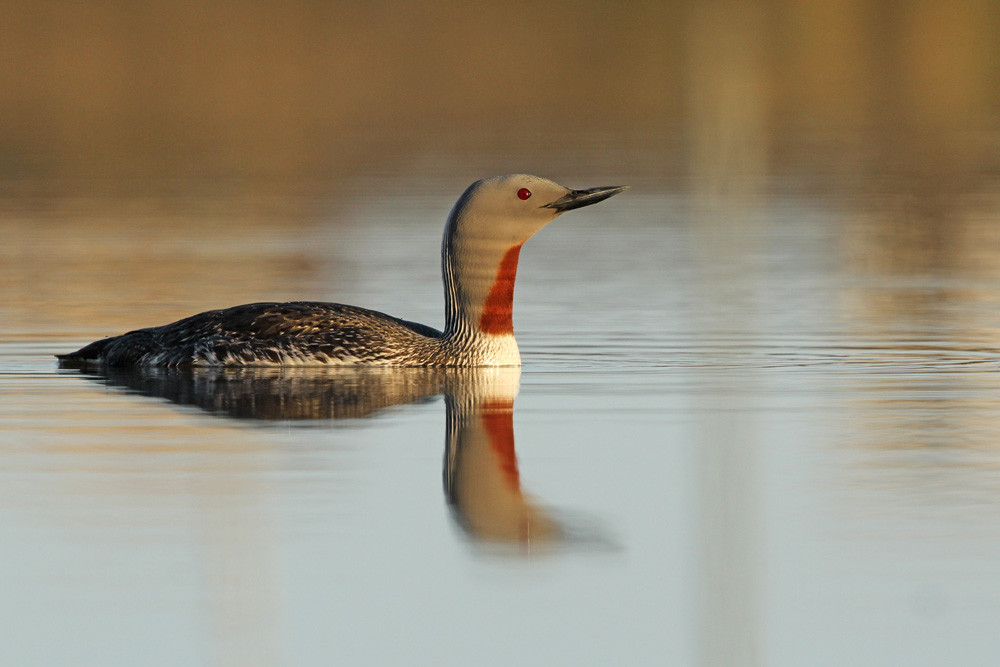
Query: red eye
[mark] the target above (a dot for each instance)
(524, 193)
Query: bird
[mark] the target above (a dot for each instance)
(482, 240)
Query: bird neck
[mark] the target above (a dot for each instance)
(479, 274)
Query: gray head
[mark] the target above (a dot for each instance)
(515, 206)
(482, 241)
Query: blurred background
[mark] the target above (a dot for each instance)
(182, 97)
(769, 367)
(166, 125)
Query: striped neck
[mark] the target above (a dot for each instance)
(479, 274)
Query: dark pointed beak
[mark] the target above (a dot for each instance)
(579, 198)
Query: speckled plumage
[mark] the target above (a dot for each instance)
(482, 238)
(281, 334)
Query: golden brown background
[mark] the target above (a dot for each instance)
(107, 96)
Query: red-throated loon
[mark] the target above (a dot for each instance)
(482, 239)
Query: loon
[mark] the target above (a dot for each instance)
(482, 241)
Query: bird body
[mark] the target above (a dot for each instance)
(480, 251)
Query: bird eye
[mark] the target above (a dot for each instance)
(524, 193)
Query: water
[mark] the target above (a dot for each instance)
(762, 432)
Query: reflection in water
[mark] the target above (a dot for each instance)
(481, 477)
(729, 172)
(279, 393)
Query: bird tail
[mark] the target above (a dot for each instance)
(86, 355)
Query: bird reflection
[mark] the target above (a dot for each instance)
(481, 477)
(279, 393)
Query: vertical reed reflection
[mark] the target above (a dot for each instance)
(727, 92)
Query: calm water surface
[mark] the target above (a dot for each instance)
(759, 433)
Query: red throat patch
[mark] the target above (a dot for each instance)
(498, 418)
(496, 317)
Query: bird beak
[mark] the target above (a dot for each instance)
(578, 198)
